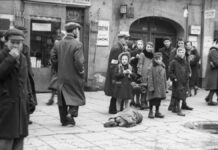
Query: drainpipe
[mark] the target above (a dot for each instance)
(202, 37)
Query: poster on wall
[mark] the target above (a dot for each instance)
(103, 33)
(41, 27)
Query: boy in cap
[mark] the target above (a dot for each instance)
(13, 92)
(156, 85)
(179, 73)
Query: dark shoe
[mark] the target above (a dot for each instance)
(159, 115)
(180, 114)
(30, 122)
(170, 108)
(151, 115)
(186, 107)
(207, 99)
(132, 103)
(50, 102)
(212, 103)
(70, 121)
(112, 111)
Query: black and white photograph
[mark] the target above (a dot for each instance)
(108, 74)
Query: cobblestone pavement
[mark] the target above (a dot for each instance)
(169, 133)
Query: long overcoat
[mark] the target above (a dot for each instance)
(13, 96)
(112, 65)
(68, 56)
(194, 64)
(211, 77)
(179, 70)
(156, 81)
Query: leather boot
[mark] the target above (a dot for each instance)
(158, 115)
(179, 113)
(112, 107)
(185, 106)
(151, 115)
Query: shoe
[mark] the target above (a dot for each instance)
(30, 122)
(132, 103)
(143, 107)
(159, 115)
(112, 111)
(180, 114)
(207, 99)
(151, 115)
(70, 121)
(50, 102)
(170, 108)
(195, 91)
(186, 107)
(211, 103)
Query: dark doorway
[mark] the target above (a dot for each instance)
(158, 43)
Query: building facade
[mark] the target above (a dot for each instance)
(102, 20)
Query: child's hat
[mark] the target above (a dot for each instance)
(157, 55)
(122, 54)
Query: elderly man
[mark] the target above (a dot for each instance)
(68, 56)
(116, 49)
(13, 92)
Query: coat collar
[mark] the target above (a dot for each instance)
(69, 36)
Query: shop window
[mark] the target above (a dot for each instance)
(4, 24)
(43, 36)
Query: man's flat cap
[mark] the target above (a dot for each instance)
(14, 34)
(71, 26)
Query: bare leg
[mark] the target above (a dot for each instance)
(126, 102)
(118, 104)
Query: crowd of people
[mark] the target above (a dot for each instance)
(138, 76)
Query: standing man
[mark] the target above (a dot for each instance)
(13, 92)
(166, 50)
(112, 64)
(68, 56)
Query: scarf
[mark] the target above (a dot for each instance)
(149, 55)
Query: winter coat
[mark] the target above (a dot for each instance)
(211, 78)
(112, 65)
(156, 81)
(122, 83)
(166, 56)
(68, 55)
(179, 70)
(143, 64)
(13, 96)
(194, 58)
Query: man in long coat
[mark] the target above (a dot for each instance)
(112, 64)
(68, 56)
(211, 77)
(13, 92)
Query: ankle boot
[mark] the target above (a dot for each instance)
(185, 106)
(158, 115)
(151, 115)
(179, 111)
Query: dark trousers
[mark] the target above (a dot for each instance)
(112, 107)
(11, 144)
(64, 110)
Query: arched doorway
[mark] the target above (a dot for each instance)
(155, 29)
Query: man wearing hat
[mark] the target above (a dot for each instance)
(112, 64)
(13, 92)
(68, 56)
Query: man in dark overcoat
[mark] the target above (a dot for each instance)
(13, 92)
(68, 56)
(112, 64)
(211, 77)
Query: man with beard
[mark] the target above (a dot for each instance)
(68, 56)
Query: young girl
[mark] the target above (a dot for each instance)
(179, 74)
(156, 85)
(145, 59)
(122, 81)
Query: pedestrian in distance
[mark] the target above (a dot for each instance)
(116, 49)
(179, 73)
(156, 85)
(211, 77)
(145, 60)
(14, 92)
(122, 81)
(68, 56)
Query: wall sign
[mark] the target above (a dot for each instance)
(210, 14)
(103, 33)
(67, 2)
(195, 30)
(41, 27)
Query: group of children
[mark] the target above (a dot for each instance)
(142, 83)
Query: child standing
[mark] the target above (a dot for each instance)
(145, 59)
(179, 73)
(156, 85)
(122, 80)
